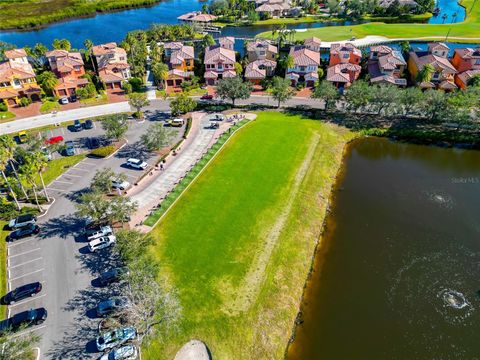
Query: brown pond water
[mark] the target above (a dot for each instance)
(398, 274)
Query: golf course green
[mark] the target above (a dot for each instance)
(466, 31)
(238, 245)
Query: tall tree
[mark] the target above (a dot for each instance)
(160, 73)
(385, 99)
(156, 137)
(7, 143)
(115, 126)
(281, 90)
(138, 101)
(426, 73)
(102, 181)
(182, 104)
(207, 41)
(62, 44)
(48, 81)
(358, 96)
(288, 63)
(30, 172)
(88, 44)
(4, 159)
(233, 89)
(39, 161)
(411, 100)
(327, 92)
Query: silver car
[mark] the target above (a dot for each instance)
(115, 338)
(128, 352)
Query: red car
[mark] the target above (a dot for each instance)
(207, 97)
(54, 140)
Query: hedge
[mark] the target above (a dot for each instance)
(103, 151)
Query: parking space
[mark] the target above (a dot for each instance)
(25, 265)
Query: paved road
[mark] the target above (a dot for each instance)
(58, 257)
(156, 106)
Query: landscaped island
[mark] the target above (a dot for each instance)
(19, 14)
(238, 245)
(466, 31)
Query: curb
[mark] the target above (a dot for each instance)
(120, 148)
(49, 205)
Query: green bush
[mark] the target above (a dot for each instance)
(3, 106)
(103, 151)
(136, 83)
(8, 210)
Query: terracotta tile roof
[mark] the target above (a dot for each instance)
(212, 74)
(383, 49)
(66, 61)
(447, 85)
(215, 54)
(226, 40)
(69, 83)
(180, 73)
(467, 75)
(392, 60)
(262, 44)
(346, 48)
(8, 94)
(7, 73)
(184, 53)
(109, 76)
(174, 45)
(252, 71)
(342, 72)
(437, 46)
(437, 62)
(273, 6)
(468, 53)
(304, 57)
(197, 16)
(109, 48)
(313, 41)
(15, 53)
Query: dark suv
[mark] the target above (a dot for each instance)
(30, 229)
(112, 276)
(77, 125)
(22, 292)
(25, 318)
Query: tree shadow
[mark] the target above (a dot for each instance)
(136, 150)
(157, 115)
(62, 226)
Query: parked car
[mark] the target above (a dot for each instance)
(115, 338)
(94, 143)
(73, 98)
(111, 305)
(120, 185)
(137, 164)
(175, 122)
(22, 221)
(22, 137)
(101, 243)
(46, 152)
(30, 229)
(22, 292)
(25, 318)
(127, 352)
(54, 140)
(69, 148)
(77, 125)
(97, 232)
(113, 275)
(207, 97)
(88, 124)
(63, 100)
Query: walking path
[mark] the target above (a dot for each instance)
(150, 193)
(370, 40)
(151, 93)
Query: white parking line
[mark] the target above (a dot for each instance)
(30, 273)
(20, 242)
(61, 190)
(64, 182)
(25, 263)
(74, 168)
(29, 331)
(67, 174)
(27, 300)
(26, 252)
(87, 163)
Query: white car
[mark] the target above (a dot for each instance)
(128, 352)
(101, 243)
(120, 185)
(95, 233)
(46, 152)
(137, 164)
(64, 100)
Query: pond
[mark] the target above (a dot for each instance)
(397, 274)
(450, 11)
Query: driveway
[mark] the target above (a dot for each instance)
(59, 259)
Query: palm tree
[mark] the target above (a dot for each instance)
(454, 17)
(444, 18)
(89, 51)
(288, 63)
(4, 159)
(40, 162)
(48, 81)
(7, 143)
(425, 75)
(160, 72)
(30, 173)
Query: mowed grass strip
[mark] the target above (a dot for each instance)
(466, 31)
(212, 236)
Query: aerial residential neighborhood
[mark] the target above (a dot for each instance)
(241, 179)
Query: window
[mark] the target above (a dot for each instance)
(477, 62)
(346, 56)
(262, 52)
(220, 66)
(302, 68)
(436, 76)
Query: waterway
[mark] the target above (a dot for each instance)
(114, 26)
(398, 272)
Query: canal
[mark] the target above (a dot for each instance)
(398, 273)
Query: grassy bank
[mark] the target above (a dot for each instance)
(466, 31)
(27, 14)
(238, 245)
(3, 266)
(58, 166)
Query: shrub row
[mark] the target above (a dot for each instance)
(103, 151)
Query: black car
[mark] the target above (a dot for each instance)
(73, 98)
(93, 143)
(112, 276)
(22, 292)
(77, 125)
(88, 124)
(30, 229)
(22, 221)
(25, 318)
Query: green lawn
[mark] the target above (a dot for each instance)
(6, 116)
(49, 106)
(238, 244)
(58, 166)
(467, 31)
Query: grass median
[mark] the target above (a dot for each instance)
(58, 166)
(466, 31)
(239, 243)
(3, 267)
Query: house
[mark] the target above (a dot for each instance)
(437, 56)
(219, 63)
(313, 44)
(386, 66)
(69, 69)
(258, 70)
(197, 18)
(227, 42)
(305, 66)
(17, 78)
(180, 60)
(112, 65)
(344, 66)
(273, 9)
(261, 50)
(467, 63)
